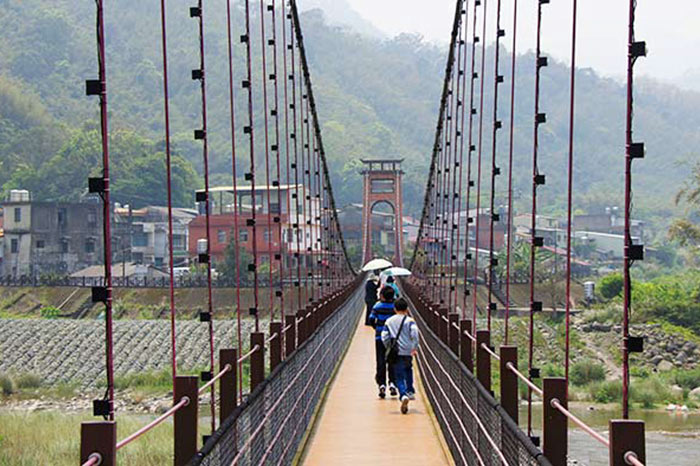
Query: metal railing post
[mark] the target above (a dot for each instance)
(275, 344)
(626, 438)
(99, 438)
(483, 359)
(443, 324)
(228, 384)
(465, 344)
(290, 339)
(257, 360)
(509, 381)
(554, 423)
(186, 419)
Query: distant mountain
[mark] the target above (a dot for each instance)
(340, 13)
(376, 98)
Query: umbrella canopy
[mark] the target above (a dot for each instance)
(376, 264)
(396, 272)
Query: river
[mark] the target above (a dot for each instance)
(672, 438)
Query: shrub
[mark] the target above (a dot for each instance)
(611, 286)
(28, 380)
(7, 385)
(689, 379)
(606, 392)
(50, 312)
(585, 372)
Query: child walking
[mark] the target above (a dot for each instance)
(400, 336)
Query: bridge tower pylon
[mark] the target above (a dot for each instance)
(382, 185)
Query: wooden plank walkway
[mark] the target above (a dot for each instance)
(355, 427)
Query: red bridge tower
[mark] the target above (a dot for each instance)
(382, 185)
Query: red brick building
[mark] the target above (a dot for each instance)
(223, 224)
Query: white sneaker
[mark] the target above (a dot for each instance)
(393, 390)
(382, 392)
(411, 396)
(404, 404)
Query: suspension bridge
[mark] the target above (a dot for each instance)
(298, 389)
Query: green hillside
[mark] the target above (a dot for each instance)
(377, 98)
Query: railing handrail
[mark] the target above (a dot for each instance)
(213, 380)
(248, 354)
(522, 377)
(585, 427)
(184, 401)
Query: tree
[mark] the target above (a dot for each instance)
(611, 286)
(227, 268)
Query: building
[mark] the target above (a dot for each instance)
(300, 227)
(141, 236)
(50, 237)
(609, 222)
(606, 245)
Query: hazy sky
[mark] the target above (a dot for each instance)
(670, 28)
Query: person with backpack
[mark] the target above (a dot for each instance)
(381, 312)
(400, 337)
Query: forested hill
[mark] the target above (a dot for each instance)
(377, 98)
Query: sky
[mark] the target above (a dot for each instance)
(670, 28)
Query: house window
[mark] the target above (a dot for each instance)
(243, 235)
(92, 219)
(290, 235)
(274, 208)
(40, 244)
(90, 246)
(266, 235)
(14, 246)
(178, 242)
(139, 240)
(62, 217)
(221, 236)
(18, 214)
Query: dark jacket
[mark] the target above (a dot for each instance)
(380, 314)
(371, 291)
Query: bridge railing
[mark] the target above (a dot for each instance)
(477, 429)
(480, 430)
(267, 425)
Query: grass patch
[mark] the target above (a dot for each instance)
(54, 438)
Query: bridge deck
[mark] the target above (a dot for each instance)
(355, 427)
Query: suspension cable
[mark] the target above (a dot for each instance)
(470, 181)
(250, 176)
(202, 135)
(475, 296)
(234, 173)
(278, 178)
(267, 231)
(106, 207)
(570, 189)
(509, 227)
(495, 170)
(537, 179)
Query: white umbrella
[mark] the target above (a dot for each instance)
(376, 264)
(396, 272)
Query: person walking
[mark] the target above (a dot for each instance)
(390, 281)
(400, 337)
(371, 288)
(381, 312)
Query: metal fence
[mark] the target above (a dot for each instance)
(269, 426)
